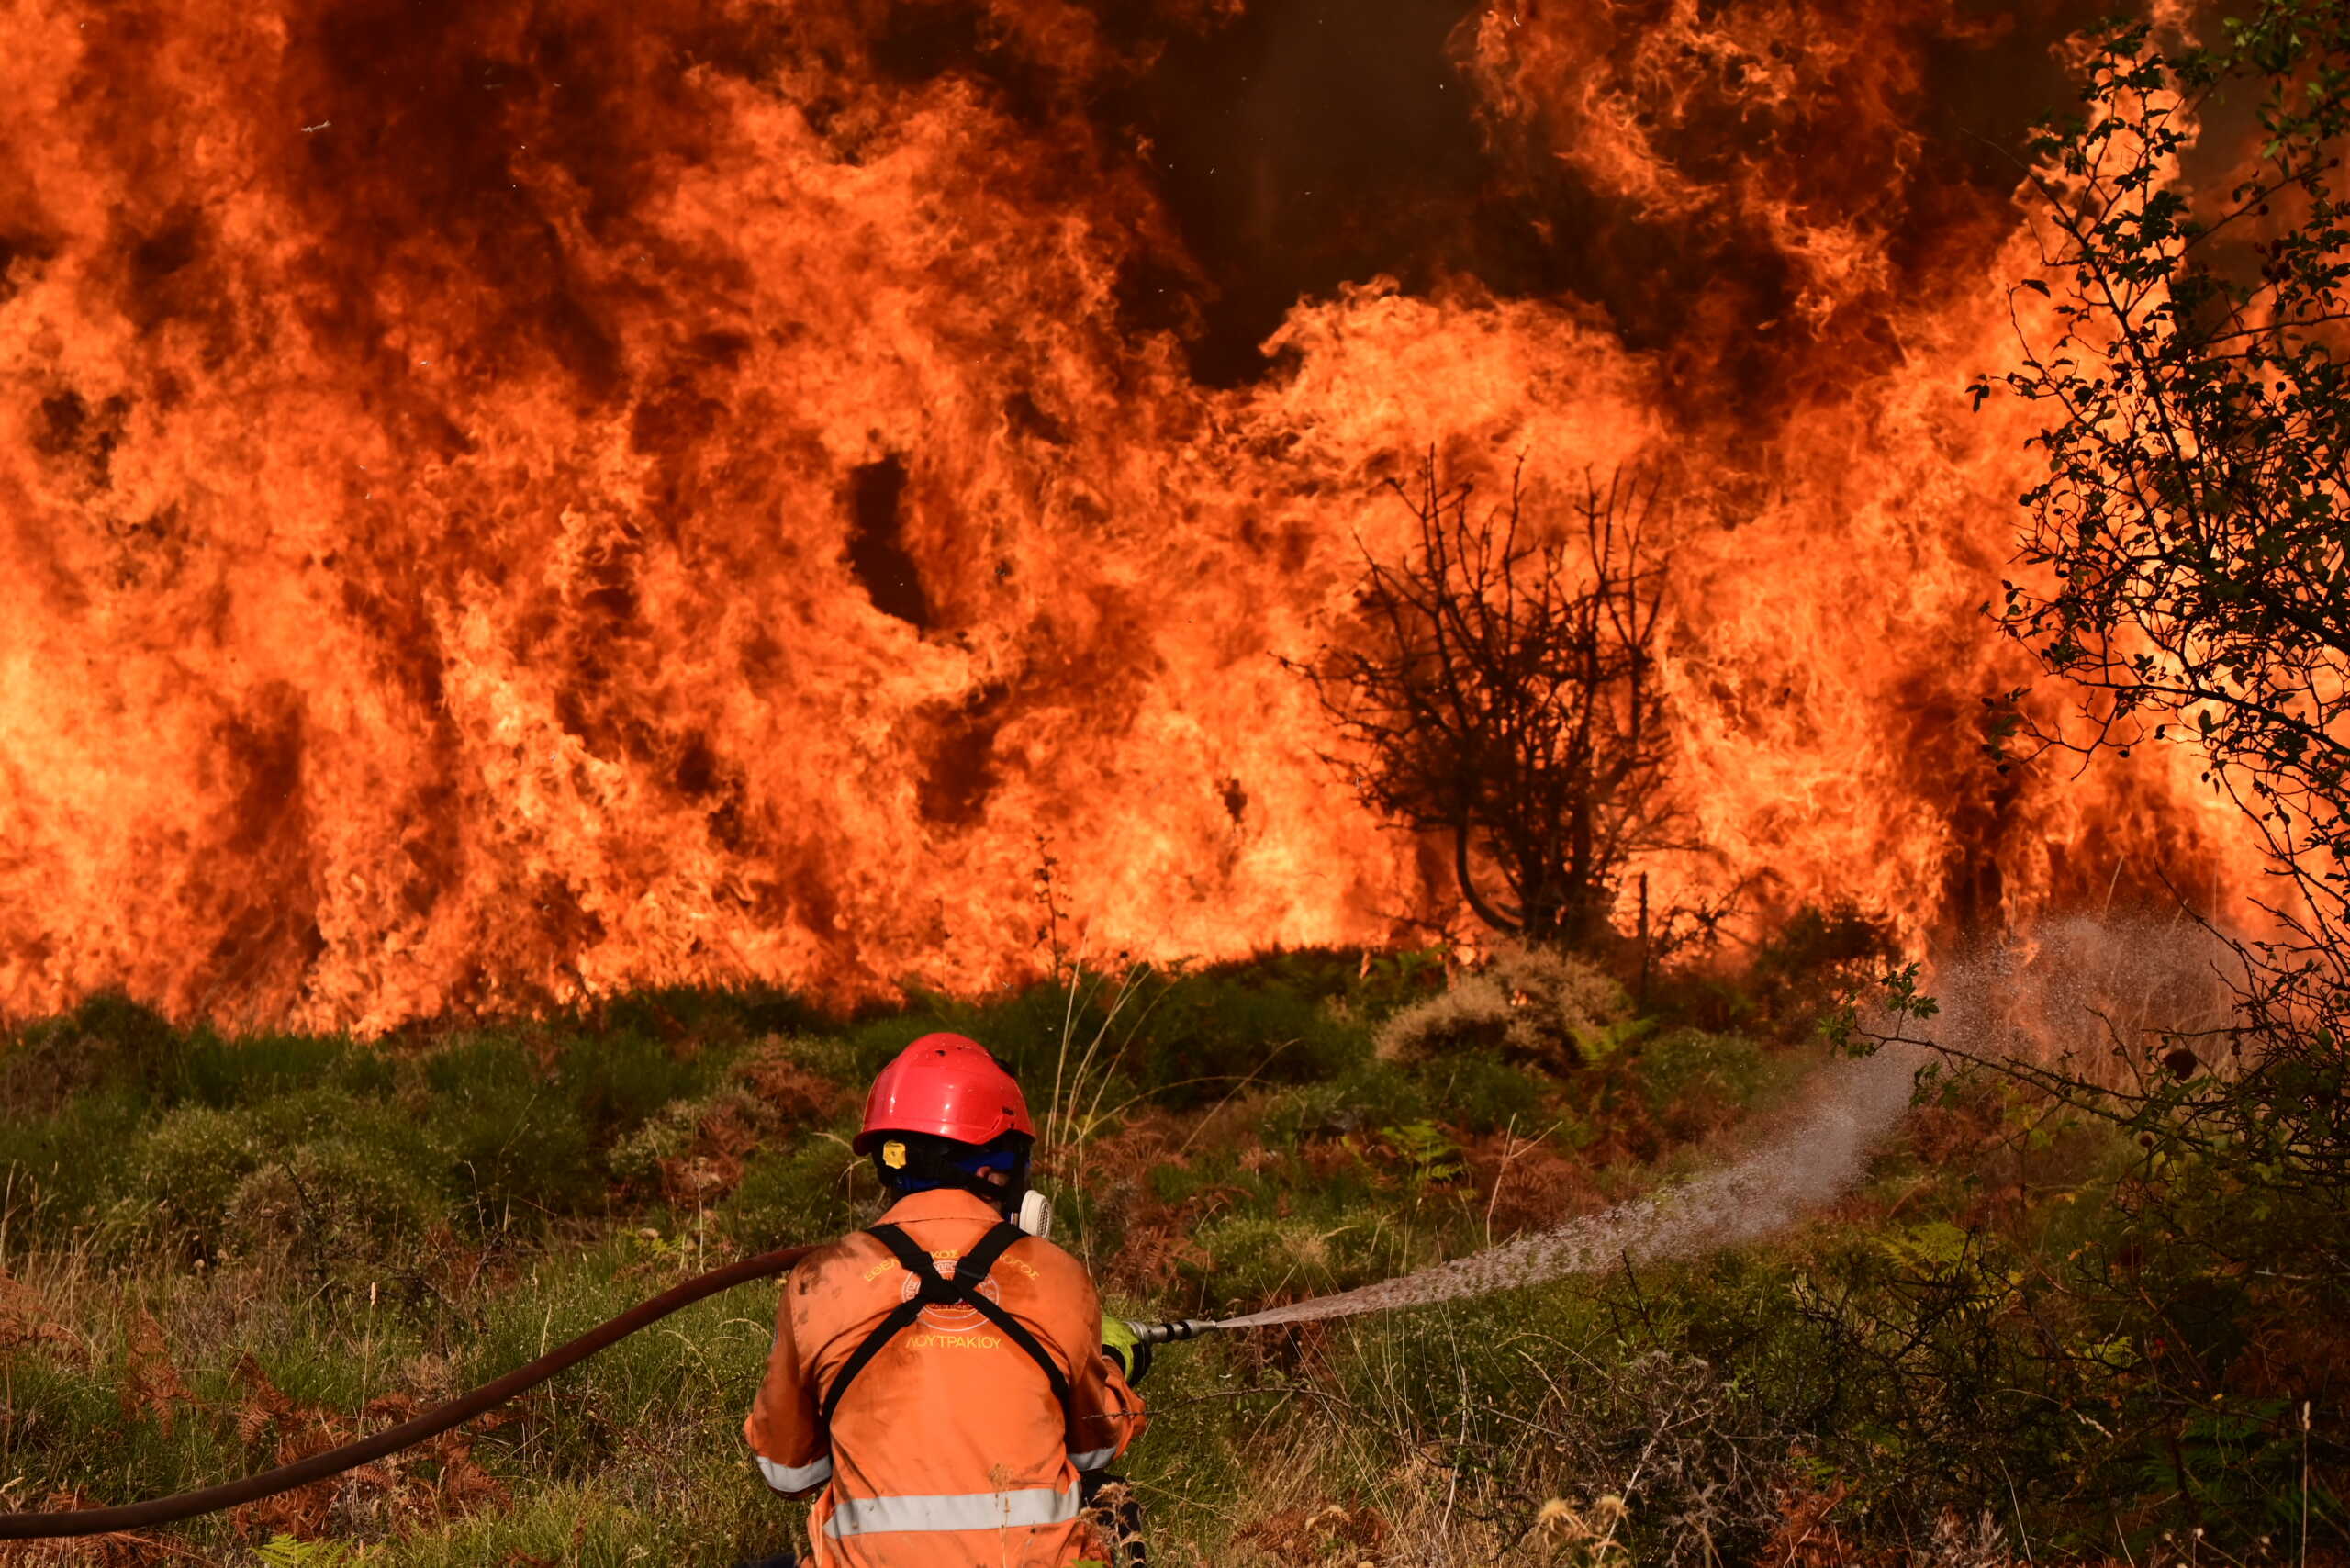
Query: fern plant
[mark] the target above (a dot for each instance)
(285, 1551)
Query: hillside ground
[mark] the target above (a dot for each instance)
(2012, 1341)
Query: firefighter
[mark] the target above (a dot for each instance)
(940, 1383)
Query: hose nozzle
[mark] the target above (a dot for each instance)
(1168, 1333)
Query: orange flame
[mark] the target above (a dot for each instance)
(507, 503)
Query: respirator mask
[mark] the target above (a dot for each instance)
(1036, 1216)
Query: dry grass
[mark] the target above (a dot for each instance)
(1539, 1005)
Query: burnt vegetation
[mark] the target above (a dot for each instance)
(1501, 691)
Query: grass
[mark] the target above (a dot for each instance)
(217, 1254)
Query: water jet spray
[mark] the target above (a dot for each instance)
(1815, 1158)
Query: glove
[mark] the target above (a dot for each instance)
(1119, 1343)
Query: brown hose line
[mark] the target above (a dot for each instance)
(317, 1467)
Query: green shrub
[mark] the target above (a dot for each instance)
(1688, 1069)
(1392, 981)
(330, 1206)
(108, 1044)
(473, 1067)
(135, 1042)
(702, 1015)
(1260, 1259)
(1479, 1091)
(810, 1191)
(1207, 1033)
(303, 1115)
(635, 1161)
(1182, 1038)
(516, 1147)
(189, 1167)
(839, 1057)
(1369, 1095)
(1801, 968)
(858, 1053)
(226, 1074)
(616, 1080)
(62, 1169)
(211, 1177)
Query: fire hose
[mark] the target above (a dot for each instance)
(431, 1423)
(439, 1419)
(1739, 1202)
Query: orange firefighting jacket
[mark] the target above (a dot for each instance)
(950, 1448)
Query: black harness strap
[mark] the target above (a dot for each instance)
(931, 1289)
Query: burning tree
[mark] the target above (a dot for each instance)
(1504, 693)
(2188, 554)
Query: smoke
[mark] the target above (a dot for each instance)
(2067, 992)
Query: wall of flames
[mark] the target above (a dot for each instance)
(500, 503)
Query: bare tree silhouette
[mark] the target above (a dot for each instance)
(1504, 691)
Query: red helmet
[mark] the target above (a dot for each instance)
(945, 1085)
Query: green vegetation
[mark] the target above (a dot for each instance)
(2181, 566)
(217, 1254)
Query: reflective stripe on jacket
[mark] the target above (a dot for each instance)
(949, 1450)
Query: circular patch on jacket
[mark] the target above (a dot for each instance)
(954, 1319)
